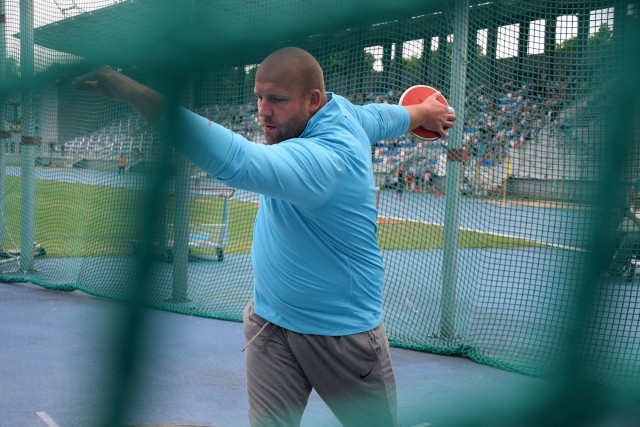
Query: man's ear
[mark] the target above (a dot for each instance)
(315, 100)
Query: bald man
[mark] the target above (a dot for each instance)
(315, 320)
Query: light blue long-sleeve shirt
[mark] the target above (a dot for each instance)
(317, 264)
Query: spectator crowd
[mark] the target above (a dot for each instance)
(509, 119)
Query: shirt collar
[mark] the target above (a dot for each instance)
(327, 114)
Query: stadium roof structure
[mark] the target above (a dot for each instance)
(165, 32)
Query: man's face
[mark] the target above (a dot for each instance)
(283, 108)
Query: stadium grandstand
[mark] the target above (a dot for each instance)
(495, 128)
(535, 109)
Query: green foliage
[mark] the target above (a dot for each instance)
(369, 60)
(338, 63)
(601, 37)
(412, 63)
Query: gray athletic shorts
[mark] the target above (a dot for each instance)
(351, 373)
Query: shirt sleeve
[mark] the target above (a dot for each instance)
(301, 173)
(383, 121)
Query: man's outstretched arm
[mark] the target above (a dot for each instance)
(114, 85)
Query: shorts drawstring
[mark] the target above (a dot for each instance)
(266, 340)
(254, 337)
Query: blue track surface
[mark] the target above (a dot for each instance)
(58, 356)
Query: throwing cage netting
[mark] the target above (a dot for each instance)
(498, 244)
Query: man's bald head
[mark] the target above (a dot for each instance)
(289, 88)
(294, 65)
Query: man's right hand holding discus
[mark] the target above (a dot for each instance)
(431, 116)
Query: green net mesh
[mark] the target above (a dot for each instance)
(504, 258)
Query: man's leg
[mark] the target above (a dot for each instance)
(352, 374)
(278, 389)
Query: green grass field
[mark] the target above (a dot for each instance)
(77, 220)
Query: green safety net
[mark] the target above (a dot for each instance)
(497, 246)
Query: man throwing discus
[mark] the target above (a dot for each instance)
(315, 320)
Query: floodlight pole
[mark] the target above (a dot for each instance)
(455, 167)
(29, 142)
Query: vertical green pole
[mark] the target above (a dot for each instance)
(29, 142)
(4, 132)
(225, 222)
(181, 232)
(454, 170)
(180, 288)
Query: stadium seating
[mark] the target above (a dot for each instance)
(495, 127)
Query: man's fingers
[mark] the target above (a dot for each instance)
(79, 84)
(92, 79)
(86, 81)
(435, 95)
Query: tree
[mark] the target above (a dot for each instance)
(369, 60)
(412, 63)
(338, 63)
(601, 38)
